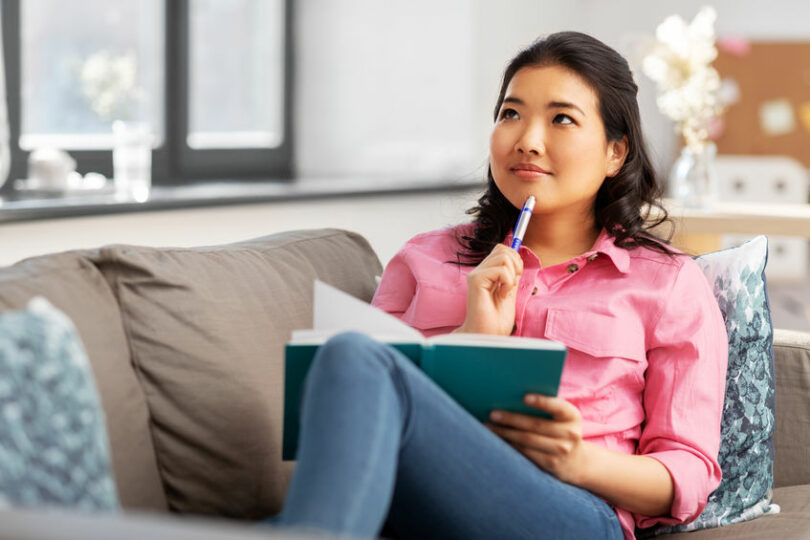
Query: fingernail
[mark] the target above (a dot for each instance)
(495, 415)
(531, 398)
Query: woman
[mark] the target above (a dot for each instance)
(635, 430)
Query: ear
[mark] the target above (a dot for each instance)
(616, 154)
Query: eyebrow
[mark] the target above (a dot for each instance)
(551, 104)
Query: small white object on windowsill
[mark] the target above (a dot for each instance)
(91, 183)
(52, 173)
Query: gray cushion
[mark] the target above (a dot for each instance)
(207, 328)
(53, 443)
(57, 524)
(792, 434)
(791, 523)
(76, 287)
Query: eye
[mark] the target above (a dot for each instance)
(509, 113)
(563, 119)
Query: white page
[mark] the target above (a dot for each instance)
(335, 310)
(489, 340)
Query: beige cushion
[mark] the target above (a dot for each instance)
(792, 523)
(61, 524)
(207, 327)
(792, 435)
(77, 288)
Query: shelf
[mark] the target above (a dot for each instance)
(699, 231)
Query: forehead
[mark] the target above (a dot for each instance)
(538, 85)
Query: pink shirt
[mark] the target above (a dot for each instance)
(647, 347)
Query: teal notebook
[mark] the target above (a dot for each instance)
(480, 372)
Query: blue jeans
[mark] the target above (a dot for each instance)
(381, 443)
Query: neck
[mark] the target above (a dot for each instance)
(558, 238)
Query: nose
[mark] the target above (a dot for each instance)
(531, 140)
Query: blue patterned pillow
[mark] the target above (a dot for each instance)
(53, 441)
(737, 276)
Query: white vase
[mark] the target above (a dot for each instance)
(132, 160)
(693, 180)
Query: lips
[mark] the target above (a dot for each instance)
(528, 170)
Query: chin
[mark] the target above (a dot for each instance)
(518, 198)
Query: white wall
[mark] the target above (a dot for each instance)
(387, 222)
(378, 88)
(405, 88)
(408, 86)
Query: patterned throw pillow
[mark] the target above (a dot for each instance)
(53, 441)
(737, 276)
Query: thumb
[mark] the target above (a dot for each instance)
(509, 290)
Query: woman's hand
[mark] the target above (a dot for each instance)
(492, 291)
(555, 444)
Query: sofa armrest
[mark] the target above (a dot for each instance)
(792, 434)
(63, 524)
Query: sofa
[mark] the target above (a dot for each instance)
(186, 349)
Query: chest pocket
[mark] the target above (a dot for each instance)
(433, 308)
(596, 334)
(606, 363)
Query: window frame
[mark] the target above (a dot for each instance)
(173, 162)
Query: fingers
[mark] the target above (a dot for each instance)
(498, 281)
(530, 424)
(526, 440)
(555, 445)
(564, 423)
(559, 409)
(499, 272)
(501, 253)
(492, 292)
(503, 281)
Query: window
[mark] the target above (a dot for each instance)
(212, 78)
(86, 64)
(251, 116)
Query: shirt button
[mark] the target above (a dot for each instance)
(534, 291)
(572, 268)
(592, 257)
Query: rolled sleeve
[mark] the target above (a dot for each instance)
(397, 286)
(683, 395)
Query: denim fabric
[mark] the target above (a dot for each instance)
(380, 441)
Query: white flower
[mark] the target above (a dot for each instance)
(109, 82)
(680, 64)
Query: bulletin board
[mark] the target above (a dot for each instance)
(772, 115)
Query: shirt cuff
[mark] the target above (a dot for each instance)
(693, 480)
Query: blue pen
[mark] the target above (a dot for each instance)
(523, 222)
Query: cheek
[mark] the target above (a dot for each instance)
(583, 155)
(498, 147)
(498, 155)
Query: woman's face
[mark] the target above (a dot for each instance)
(549, 141)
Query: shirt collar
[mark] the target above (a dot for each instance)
(604, 245)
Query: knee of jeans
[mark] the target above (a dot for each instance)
(350, 351)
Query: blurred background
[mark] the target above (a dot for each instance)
(325, 93)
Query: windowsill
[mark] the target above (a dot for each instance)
(216, 193)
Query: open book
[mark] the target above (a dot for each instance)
(481, 372)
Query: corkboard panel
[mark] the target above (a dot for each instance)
(774, 82)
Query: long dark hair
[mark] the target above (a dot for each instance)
(621, 201)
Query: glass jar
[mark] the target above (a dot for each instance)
(693, 180)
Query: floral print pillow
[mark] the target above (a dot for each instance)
(53, 440)
(737, 276)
